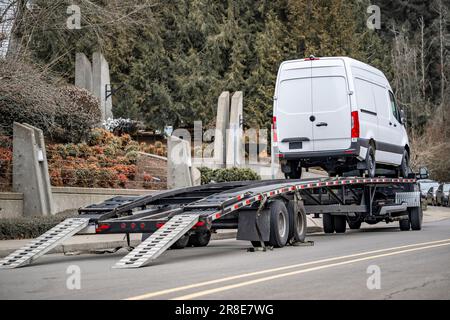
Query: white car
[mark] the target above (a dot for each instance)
(339, 114)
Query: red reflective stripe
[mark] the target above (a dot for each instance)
(200, 224)
(159, 224)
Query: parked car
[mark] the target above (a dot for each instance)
(339, 114)
(425, 185)
(431, 195)
(442, 194)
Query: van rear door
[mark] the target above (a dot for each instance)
(293, 108)
(331, 105)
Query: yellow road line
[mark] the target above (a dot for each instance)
(283, 275)
(256, 273)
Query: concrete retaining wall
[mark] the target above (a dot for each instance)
(11, 204)
(64, 198)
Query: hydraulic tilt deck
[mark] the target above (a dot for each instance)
(268, 213)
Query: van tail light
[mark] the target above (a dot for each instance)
(274, 128)
(355, 124)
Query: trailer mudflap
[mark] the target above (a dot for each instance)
(247, 228)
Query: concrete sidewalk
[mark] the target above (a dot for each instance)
(92, 243)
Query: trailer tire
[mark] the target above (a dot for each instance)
(297, 222)
(415, 217)
(181, 243)
(279, 224)
(200, 239)
(404, 224)
(328, 223)
(340, 224)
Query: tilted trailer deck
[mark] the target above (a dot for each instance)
(267, 213)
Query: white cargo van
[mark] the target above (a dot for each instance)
(339, 114)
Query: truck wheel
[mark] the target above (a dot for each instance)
(279, 224)
(370, 161)
(200, 239)
(328, 223)
(354, 224)
(416, 217)
(297, 222)
(404, 225)
(404, 167)
(181, 243)
(340, 224)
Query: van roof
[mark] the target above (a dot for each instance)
(347, 60)
(350, 62)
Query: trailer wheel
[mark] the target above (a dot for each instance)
(404, 225)
(181, 243)
(297, 222)
(416, 217)
(340, 224)
(328, 223)
(279, 224)
(200, 239)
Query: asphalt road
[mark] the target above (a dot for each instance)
(411, 265)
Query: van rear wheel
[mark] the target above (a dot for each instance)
(404, 167)
(294, 169)
(370, 161)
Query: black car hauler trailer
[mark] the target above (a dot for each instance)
(267, 213)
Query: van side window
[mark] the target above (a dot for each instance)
(394, 107)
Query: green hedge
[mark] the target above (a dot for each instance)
(28, 228)
(226, 175)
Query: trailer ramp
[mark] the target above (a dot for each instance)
(158, 242)
(41, 245)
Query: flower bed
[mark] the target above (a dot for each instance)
(104, 161)
(5, 163)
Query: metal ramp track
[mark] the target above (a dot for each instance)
(158, 242)
(44, 243)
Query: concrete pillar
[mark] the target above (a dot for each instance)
(30, 170)
(235, 138)
(222, 124)
(83, 72)
(101, 78)
(179, 163)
